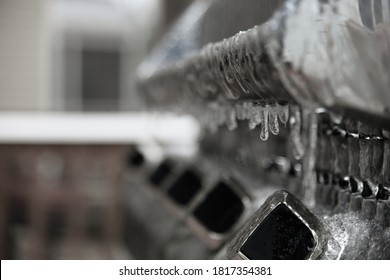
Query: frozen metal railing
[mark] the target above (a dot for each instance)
(236, 68)
(321, 68)
(321, 54)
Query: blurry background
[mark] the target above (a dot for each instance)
(71, 55)
(61, 169)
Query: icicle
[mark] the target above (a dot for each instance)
(336, 118)
(273, 120)
(220, 115)
(247, 109)
(231, 121)
(282, 113)
(264, 123)
(254, 117)
(240, 112)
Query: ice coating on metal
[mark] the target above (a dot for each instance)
(235, 68)
(340, 60)
(353, 238)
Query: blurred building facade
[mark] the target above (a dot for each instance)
(67, 55)
(64, 200)
(61, 202)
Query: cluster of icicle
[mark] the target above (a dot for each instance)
(267, 116)
(236, 68)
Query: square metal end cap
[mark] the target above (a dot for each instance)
(282, 229)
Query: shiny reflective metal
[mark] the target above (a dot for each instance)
(312, 222)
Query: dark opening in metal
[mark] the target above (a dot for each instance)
(161, 173)
(280, 236)
(221, 209)
(185, 187)
(135, 158)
